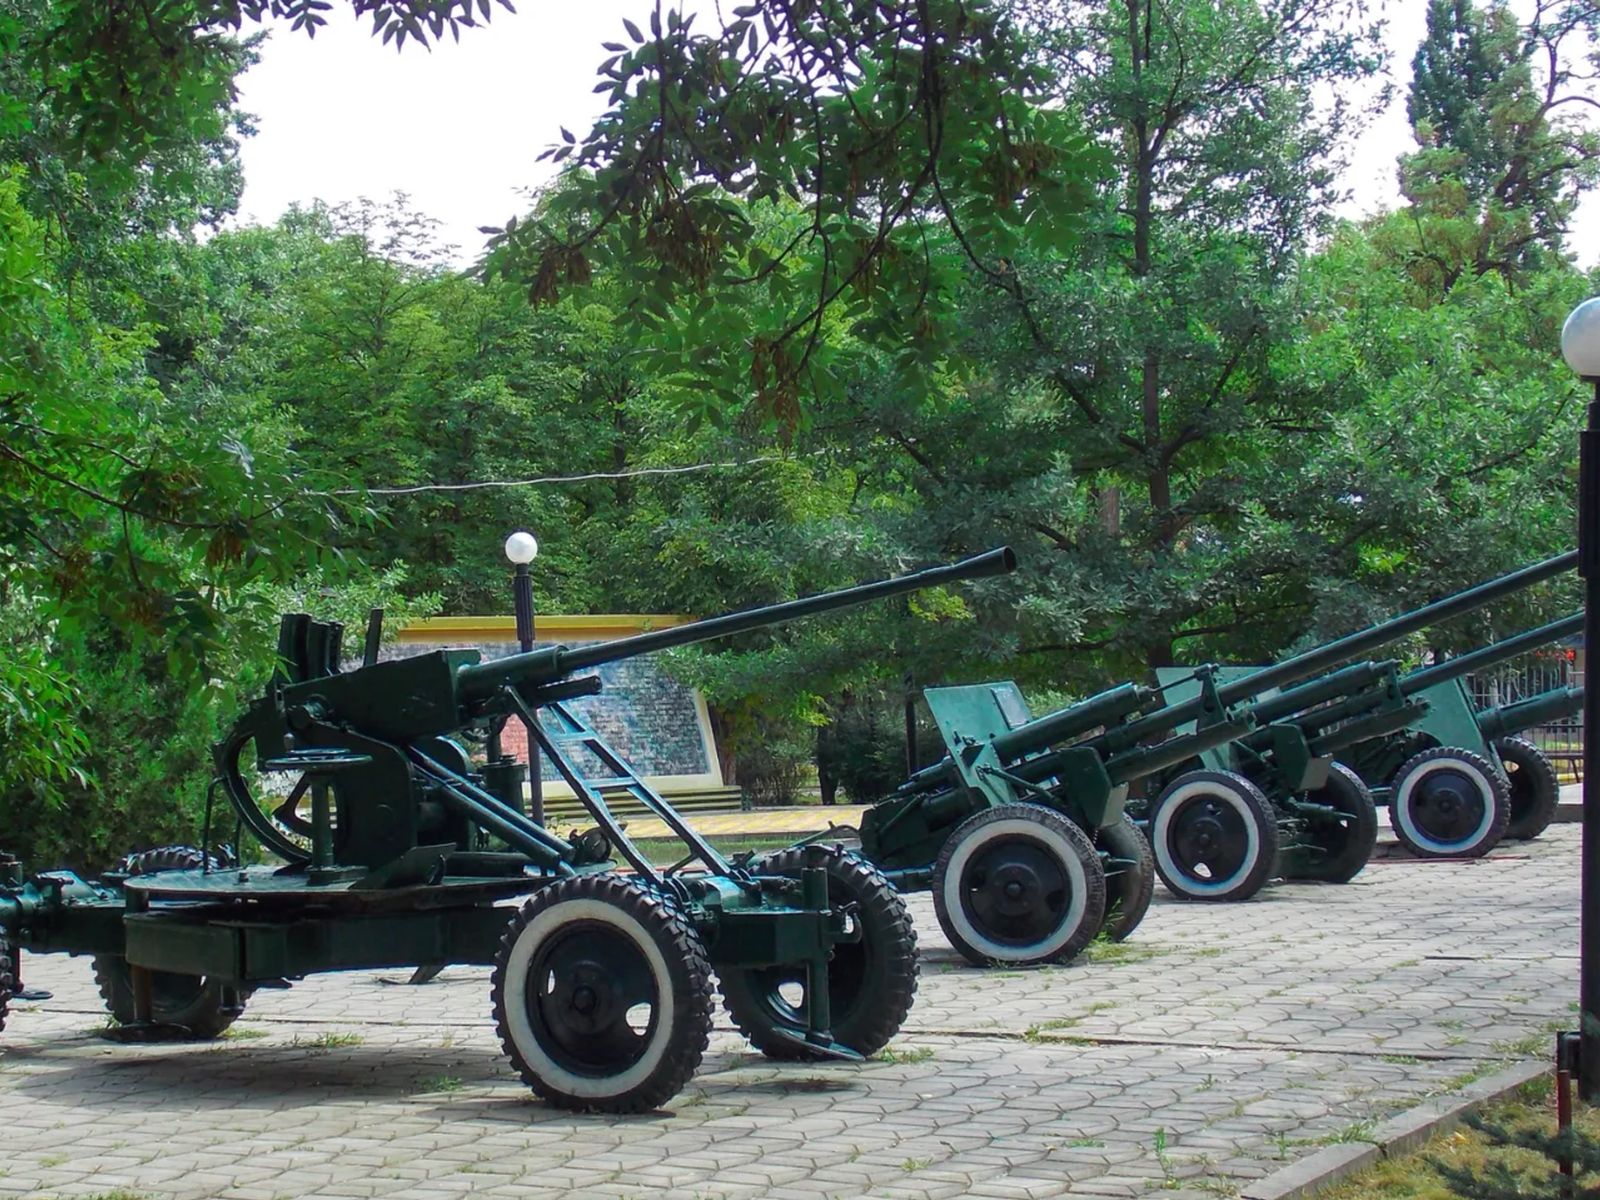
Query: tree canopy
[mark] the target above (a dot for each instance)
(831, 289)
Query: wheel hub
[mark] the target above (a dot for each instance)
(1209, 839)
(594, 999)
(1015, 887)
(1447, 806)
(1016, 891)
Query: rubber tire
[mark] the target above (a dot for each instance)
(1247, 800)
(8, 980)
(1490, 831)
(864, 1021)
(1535, 790)
(199, 1004)
(1050, 826)
(1346, 791)
(681, 972)
(1129, 889)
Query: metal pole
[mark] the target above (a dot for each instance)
(1589, 924)
(910, 684)
(522, 598)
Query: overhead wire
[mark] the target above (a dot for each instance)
(584, 477)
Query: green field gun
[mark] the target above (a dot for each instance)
(1277, 801)
(397, 851)
(1019, 831)
(1457, 778)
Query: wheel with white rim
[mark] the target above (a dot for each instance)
(1334, 844)
(1535, 790)
(1214, 836)
(1130, 877)
(1449, 803)
(602, 995)
(1019, 884)
(871, 981)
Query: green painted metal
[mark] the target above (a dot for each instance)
(1360, 644)
(1546, 708)
(1300, 728)
(395, 864)
(1000, 754)
(1491, 655)
(1449, 717)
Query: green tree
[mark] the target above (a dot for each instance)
(1452, 76)
(1505, 152)
(1132, 413)
(795, 161)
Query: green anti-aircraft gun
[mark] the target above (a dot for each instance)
(398, 852)
(1284, 799)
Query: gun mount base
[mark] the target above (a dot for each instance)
(1336, 830)
(871, 981)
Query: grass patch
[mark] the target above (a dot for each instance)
(441, 1083)
(1416, 1176)
(328, 1041)
(1456, 1082)
(910, 1054)
(244, 1033)
(1356, 1131)
(1035, 1033)
(1117, 953)
(1535, 1045)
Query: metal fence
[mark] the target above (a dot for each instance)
(1559, 667)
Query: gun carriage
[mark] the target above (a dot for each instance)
(1019, 831)
(1439, 810)
(396, 851)
(1284, 798)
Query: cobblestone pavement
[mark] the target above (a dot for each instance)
(1217, 1044)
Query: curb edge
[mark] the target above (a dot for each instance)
(1398, 1135)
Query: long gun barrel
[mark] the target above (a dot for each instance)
(1490, 655)
(1300, 700)
(1351, 679)
(479, 681)
(1314, 662)
(1103, 708)
(1506, 719)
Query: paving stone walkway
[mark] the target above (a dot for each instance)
(1218, 1044)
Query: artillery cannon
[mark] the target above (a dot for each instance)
(602, 979)
(1432, 772)
(1019, 831)
(1276, 800)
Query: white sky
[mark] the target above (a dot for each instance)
(459, 127)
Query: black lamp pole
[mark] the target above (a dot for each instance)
(522, 598)
(1589, 926)
(1580, 345)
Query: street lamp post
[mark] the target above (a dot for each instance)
(522, 548)
(1580, 346)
